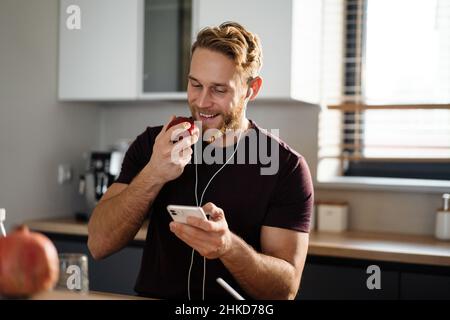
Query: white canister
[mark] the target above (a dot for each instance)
(442, 230)
(332, 217)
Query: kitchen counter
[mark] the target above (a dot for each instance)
(92, 295)
(69, 226)
(381, 246)
(412, 249)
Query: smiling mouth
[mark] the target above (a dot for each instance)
(207, 116)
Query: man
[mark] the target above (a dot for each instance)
(256, 238)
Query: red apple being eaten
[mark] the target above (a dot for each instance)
(179, 120)
(28, 263)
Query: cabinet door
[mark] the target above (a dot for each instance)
(167, 42)
(102, 59)
(421, 286)
(340, 282)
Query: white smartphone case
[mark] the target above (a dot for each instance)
(180, 213)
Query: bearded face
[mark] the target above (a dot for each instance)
(216, 92)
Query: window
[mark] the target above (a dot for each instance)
(388, 114)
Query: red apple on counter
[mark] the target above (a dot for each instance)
(28, 263)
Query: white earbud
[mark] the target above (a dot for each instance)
(249, 93)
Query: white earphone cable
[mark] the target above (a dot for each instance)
(198, 205)
(189, 276)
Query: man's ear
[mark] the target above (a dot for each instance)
(254, 88)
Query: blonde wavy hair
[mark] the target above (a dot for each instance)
(237, 43)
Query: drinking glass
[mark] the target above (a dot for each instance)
(73, 272)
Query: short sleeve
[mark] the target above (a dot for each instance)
(291, 204)
(137, 155)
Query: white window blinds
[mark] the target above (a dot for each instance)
(385, 82)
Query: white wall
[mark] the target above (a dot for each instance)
(388, 211)
(36, 131)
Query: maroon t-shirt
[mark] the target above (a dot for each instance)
(249, 199)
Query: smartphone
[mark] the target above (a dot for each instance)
(180, 213)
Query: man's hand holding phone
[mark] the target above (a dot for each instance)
(211, 238)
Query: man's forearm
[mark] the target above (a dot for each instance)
(260, 275)
(116, 221)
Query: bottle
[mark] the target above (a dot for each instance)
(442, 230)
(2, 219)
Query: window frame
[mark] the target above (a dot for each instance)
(354, 164)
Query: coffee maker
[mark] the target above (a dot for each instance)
(102, 169)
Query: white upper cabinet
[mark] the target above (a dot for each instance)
(124, 49)
(290, 33)
(100, 61)
(139, 49)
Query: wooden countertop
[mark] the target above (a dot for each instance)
(358, 245)
(69, 226)
(92, 295)
(382, 247)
